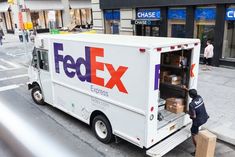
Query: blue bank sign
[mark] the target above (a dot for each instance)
(177, 14)
(149, 14)
(230, 14)
(205, 14)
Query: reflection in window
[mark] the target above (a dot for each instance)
(112, 21)
(43, 60)
(229, 40)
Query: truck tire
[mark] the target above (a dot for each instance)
(37, 96)
(102, 129)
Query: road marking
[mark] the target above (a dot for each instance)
(10, 63)
(16, 54)
(13, 77)
(9, 69)
(10, 87)
(20, 54)
(3, 67)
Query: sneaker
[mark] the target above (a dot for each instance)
(193, 153)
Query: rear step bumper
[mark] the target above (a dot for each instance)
(169, 143)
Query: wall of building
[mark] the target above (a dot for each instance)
(98, 20)
(126, 15)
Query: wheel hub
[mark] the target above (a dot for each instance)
(101, 129)
(38, 95)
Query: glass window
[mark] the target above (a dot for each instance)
(34, 62)
(229, 40)
(58, 19)
(176, 22)
(112, 21)
(8, 20)
(38, 20)
(205, 25)
(43, 60)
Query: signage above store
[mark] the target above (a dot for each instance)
(149, 14)
(176, 14)
(145, 22)
(205, 14)
(112, 14)
(230, 14)
(141, 22)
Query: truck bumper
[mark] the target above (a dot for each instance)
(170, 142)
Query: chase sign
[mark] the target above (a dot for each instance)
(148, 14)
(230, 14)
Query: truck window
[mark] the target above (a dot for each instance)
(43, 59)
(34, 62)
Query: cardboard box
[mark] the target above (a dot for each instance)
(172, 79)
(175, 105)
(163, 74)
(177, 60)
(206, 142)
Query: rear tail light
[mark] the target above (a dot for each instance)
(159, 49)
(142, 50)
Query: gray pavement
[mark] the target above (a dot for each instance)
(217, 87)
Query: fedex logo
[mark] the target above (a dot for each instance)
(72, 67)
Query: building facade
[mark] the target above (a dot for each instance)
(63, 13)
(204, 19)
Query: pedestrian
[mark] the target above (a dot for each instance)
(20, 33)
(197, 113)
(208, 55)
(1, 37)
(26, 35)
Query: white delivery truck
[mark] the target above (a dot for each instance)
(118, 85)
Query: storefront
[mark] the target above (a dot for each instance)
(176, 22)
(147, 22)
(6, 18)
(229, 35)
(81, 13)
(112, 21)
(38, 14)
(205, 25)
(189, 19)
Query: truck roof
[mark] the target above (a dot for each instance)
(126, 40)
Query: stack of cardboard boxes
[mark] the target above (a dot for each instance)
(175, 105)
(167, 76)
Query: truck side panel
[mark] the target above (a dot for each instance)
(88, 77)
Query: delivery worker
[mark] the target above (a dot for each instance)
(197, 113)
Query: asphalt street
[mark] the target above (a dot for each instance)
(62, 132)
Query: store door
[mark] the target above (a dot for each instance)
(178, 30)
(204, 33)
(146, 30)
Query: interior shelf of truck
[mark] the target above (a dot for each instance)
(174, 74)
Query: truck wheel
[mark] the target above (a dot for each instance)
(102, 129)
(37, 96)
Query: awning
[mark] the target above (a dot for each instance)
(44, 5)
(80, 4)
(4, 7)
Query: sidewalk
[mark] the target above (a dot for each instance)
(217, 87)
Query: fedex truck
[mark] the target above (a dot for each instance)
(119, 85)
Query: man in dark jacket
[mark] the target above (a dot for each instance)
(197, 112)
